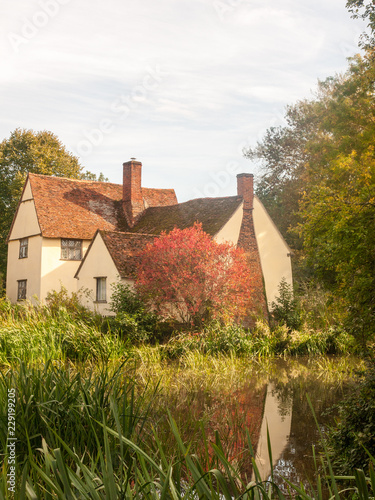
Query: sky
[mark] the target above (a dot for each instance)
(182, 86)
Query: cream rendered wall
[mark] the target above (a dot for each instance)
(24, 269)
(274, 252)
(55, 271)
(26, 223)
(27, 193)
(231, 230)
(98, 263)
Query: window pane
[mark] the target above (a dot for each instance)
(21, 295)
(24, 243)
(71, 249)
(101, 285)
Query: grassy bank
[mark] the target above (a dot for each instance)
(38, 334)
(43, 333)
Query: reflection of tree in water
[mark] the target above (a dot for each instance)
(290, 388)
(230, 408)
(227, 414)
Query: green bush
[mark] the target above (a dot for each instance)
(213, 339)
(132, 321)
(313, 342)
(57, 300)
(353, 436)
(286, 308)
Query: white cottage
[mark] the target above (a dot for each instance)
(86, 234)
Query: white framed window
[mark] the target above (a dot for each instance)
(71, 249)
(24, 248)
(101, 289)
(21, 291)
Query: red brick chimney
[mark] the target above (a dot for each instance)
(132, 199)
(247, 240)
(245, 188)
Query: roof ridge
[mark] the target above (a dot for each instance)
(212, 198)
(127, 233)
(158, 189)
(89, 181)
(71, 179)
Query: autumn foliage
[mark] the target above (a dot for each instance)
(186, 275)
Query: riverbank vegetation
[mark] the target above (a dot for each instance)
(93, 401)
(72, 333)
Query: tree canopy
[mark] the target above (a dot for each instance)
(362, 9)
(187, 274)
(318, 183)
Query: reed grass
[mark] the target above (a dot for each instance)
(261, 342)
(56, 402)
(100, 475)
(38, 334)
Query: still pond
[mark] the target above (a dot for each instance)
(254, 396)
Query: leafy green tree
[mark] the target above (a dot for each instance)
(337, 207)
(361, 9)
(320, 168)
(339, 119)
(282, 157)
(339, 232)
(28, 151)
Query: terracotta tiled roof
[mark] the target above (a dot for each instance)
(213, 213)
(124, 249)
(69, 208)
(159, 197)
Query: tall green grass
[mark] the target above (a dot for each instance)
(101, 476)
(56, 402)
(67, 333)
(37, 334)
(262, 341)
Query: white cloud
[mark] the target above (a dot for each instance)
(224, 70)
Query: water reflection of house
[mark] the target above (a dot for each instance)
(278, 424)
(247, 407)
(86, 234)
(256, 411)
